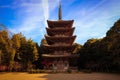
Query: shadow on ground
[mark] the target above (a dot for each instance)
(81, 76)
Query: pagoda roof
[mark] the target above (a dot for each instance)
(58, 29)
(51, 55)
(60, 47)
(66, 31)
(60, 37)
(57, 56)
(53, 39)
(60, 23)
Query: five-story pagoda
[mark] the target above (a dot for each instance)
(60, 40)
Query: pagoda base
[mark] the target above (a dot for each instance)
(61, 63)
(56, 64)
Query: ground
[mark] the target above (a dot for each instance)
(59, 76)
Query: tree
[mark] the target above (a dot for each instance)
(16, 49)
(102, 54)
(77, 48)
(7, 50)
(28, 53)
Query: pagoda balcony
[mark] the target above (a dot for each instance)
(57, 35)
(61, 44)
(61, 53)
(61, 36)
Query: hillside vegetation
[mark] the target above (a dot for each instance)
(102, 54)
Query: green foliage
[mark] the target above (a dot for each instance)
(28, 51)
(17, 48)
(42, 47)
(77, 48)
(6, 48)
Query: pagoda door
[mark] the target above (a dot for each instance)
(60, 65)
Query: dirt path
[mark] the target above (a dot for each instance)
(59, 76)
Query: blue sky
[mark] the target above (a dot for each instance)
(92, 18)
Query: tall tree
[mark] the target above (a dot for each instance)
(28, 53)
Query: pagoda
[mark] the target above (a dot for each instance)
(60, 46)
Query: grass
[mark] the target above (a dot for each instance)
(59, 76)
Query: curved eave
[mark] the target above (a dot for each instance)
(58, 56)
(59, 29)
(69, 39)
(66, 31)
(49, 55)
(52, 47)
(59, 37)
(60, 46)
(60, 23)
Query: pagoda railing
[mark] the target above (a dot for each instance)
(61, 44)
(58, 35)
(61, 53)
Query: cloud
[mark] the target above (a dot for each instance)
(95, 21)
(45, 9)
(31, 17)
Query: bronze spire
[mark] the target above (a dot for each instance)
(60, 11)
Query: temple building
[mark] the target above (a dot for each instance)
(60, 46)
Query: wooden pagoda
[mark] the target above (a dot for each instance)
(60, 41)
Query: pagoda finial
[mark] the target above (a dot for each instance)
(60, 11)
